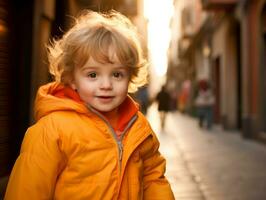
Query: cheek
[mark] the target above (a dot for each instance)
(124, 88)
(85, 89)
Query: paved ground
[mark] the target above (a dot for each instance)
(210, 165)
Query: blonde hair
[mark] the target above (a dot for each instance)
(92, 35)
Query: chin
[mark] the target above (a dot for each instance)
(104, 110)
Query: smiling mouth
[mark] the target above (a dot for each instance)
(105, 97)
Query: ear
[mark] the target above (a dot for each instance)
(73, 86)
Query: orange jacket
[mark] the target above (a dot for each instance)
(72, 153)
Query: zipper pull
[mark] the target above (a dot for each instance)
(120, 145)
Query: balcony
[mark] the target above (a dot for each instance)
(218, 4)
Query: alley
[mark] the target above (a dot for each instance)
(210, 165)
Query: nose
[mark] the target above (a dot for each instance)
(106, 83)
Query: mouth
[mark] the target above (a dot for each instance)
(105, 99)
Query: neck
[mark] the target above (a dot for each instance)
(112, 117)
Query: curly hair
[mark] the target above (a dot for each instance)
(93, 34)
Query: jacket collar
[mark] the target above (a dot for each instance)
(58, 97)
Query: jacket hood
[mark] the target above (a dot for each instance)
(57, 97)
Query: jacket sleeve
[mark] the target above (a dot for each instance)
(156, 185)
(37, 167)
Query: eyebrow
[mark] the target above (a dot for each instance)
(93, 67)
(88, 68)
(121, 67)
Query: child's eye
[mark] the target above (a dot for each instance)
(117, 74)
(92, 75)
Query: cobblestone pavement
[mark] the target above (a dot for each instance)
(210, 165)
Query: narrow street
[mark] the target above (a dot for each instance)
(210, 165)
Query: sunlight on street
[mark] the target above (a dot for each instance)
(158, 38)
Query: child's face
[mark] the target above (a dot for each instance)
(102, 86)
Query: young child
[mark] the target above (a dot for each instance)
(90, 141)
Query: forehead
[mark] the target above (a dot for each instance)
(106, 53)
(107, 57)
(92, 62)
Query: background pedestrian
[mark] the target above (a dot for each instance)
(163, 98)
(204, 103)
(142, 97)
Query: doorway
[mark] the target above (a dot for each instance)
(263, 72)
(216, 88)
(239, 76)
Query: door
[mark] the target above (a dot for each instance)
(216, 89)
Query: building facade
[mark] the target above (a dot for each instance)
(228, 49)
(252, 17)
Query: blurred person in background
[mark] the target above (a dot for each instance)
(142, 97)
(163, 98)
(204, 103)
(184, 97)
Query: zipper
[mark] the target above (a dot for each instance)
(118, 141)
(120, 147)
